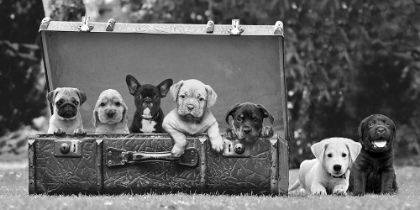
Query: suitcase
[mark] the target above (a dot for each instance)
(241, 63)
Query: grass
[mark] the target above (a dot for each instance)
(14, 195)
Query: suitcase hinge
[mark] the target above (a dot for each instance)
(110, 25)
(210, 27)
(278, 28)
(44, 23)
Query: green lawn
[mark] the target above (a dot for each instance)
(14, 195)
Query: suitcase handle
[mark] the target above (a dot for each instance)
(120, 157)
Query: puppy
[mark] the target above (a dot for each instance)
(329, 172)
(373, 171)
(192, 115)
(247, 124)
(66, 118)
(110, 113)
(149, 116)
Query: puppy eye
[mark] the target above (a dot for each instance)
(370, 124)
(59, 103)
(102, 104)
(117, 104)
(76, 103)
(138, 96)
(387, 124)
(344, 155)
(329, 155)
(182, 96)
(201, 99)
(239, 119)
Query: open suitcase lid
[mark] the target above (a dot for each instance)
(246, 67)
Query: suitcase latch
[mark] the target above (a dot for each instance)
(236, 149)
(235, 30)
(67, 148)
(85, 27)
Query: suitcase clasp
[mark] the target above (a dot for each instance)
(235, 30)
(67, 148)
(85, 27)
(236, 149)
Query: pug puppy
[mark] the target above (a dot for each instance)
(110, 113)
(192, 115)
(66, 104)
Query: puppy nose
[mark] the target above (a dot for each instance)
(337, 167)
(110, 113)
(190, 107)
(247, 129)
(380, 130)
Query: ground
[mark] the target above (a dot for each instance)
(14, 195)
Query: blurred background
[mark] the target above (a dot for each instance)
(345, 60)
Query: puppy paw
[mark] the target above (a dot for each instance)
(80, 131)
(177, 151)
(59, 132)
(340, 192)
(320, 192)
(388, 192)
(358, 193)
(230, 134)
(217, 143)
(267, 132)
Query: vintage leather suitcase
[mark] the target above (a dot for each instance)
(241, 63)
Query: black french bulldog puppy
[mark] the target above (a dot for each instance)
(373, 170)
(149, 116)
(247, 124)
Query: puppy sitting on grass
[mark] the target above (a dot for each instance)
(329, 172)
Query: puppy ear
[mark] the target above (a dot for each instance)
(211, 96)
(360, 128)
(175, 89)
(95, 118)
(124, 117)
(266, 113)
(82, 96)
(354, 149)
(394, 129)
(51, 96)
(132, 84)
(164, 87)
(318, 150)
(231, 111)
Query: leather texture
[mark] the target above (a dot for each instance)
(57, 175)
(223, 175)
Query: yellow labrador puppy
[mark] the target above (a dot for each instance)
(329, 173)
(110, 113)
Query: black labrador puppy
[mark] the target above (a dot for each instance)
(373, 170)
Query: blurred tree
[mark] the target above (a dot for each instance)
(22, 80)
(23, 96)
(64, 10)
